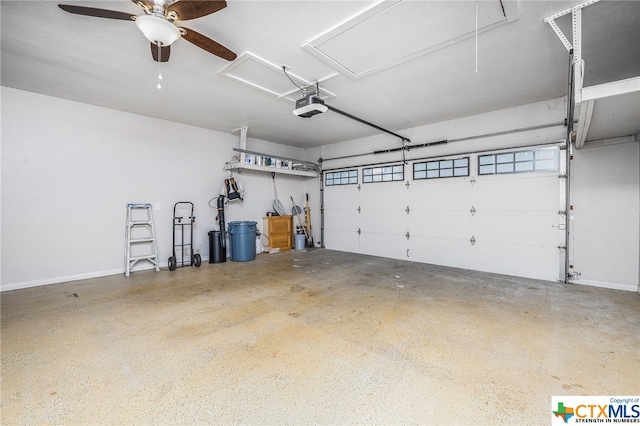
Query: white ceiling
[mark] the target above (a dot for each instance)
(428, 72)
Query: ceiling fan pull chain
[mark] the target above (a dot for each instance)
(159, 73)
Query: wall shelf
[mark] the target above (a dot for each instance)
(269, 169)
(299, 168)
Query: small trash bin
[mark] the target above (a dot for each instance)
(242, 239)
(217, 253)
(299, 242)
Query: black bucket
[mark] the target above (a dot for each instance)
(217, 253)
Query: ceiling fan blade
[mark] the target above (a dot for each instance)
(98, 13)
(207, 44)
(163, 55)
(191, 9)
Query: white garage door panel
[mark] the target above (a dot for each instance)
(341, 197)
(341, 221)
(517, 192)
(385, 245)
(529, 261)
(384, 221)
(518, 227)
(514, 225)
(341, 230)
(390, 195)
(440, 224)
(441, 194)
(441, 251)
(348, 241)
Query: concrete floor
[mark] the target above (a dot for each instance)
(317, 337)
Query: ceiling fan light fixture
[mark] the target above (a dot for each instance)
(158, 30)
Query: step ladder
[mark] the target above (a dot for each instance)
(140, 234)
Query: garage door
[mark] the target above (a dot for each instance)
(496, 212)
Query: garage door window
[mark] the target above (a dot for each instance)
(383, 174)
(441, 168)
(344, 177)
(535, 160)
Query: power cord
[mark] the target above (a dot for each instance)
(304, 89)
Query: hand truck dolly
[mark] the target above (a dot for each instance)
(185, 248)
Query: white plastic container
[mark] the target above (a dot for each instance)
(298, 242)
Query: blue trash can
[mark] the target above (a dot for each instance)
(242, 241)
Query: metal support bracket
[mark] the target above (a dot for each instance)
(576, 27)
(559, 33)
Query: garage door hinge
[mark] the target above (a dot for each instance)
(575, 275)
(407, 235)
(407, 210)
(562, 176)
(407, 184)
(359, 231)
(473, 180)
(562, 212)
(472, 211)
(473, 240)
(359, 187)
(562, 248)
(359, 209)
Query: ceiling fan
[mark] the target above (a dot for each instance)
(158, 24)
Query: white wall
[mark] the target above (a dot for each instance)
(68, 170)
(606, 202)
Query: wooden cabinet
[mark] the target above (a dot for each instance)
(277, 233)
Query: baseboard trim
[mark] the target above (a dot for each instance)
(58, 280)
(606, 284)
(77, 277)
